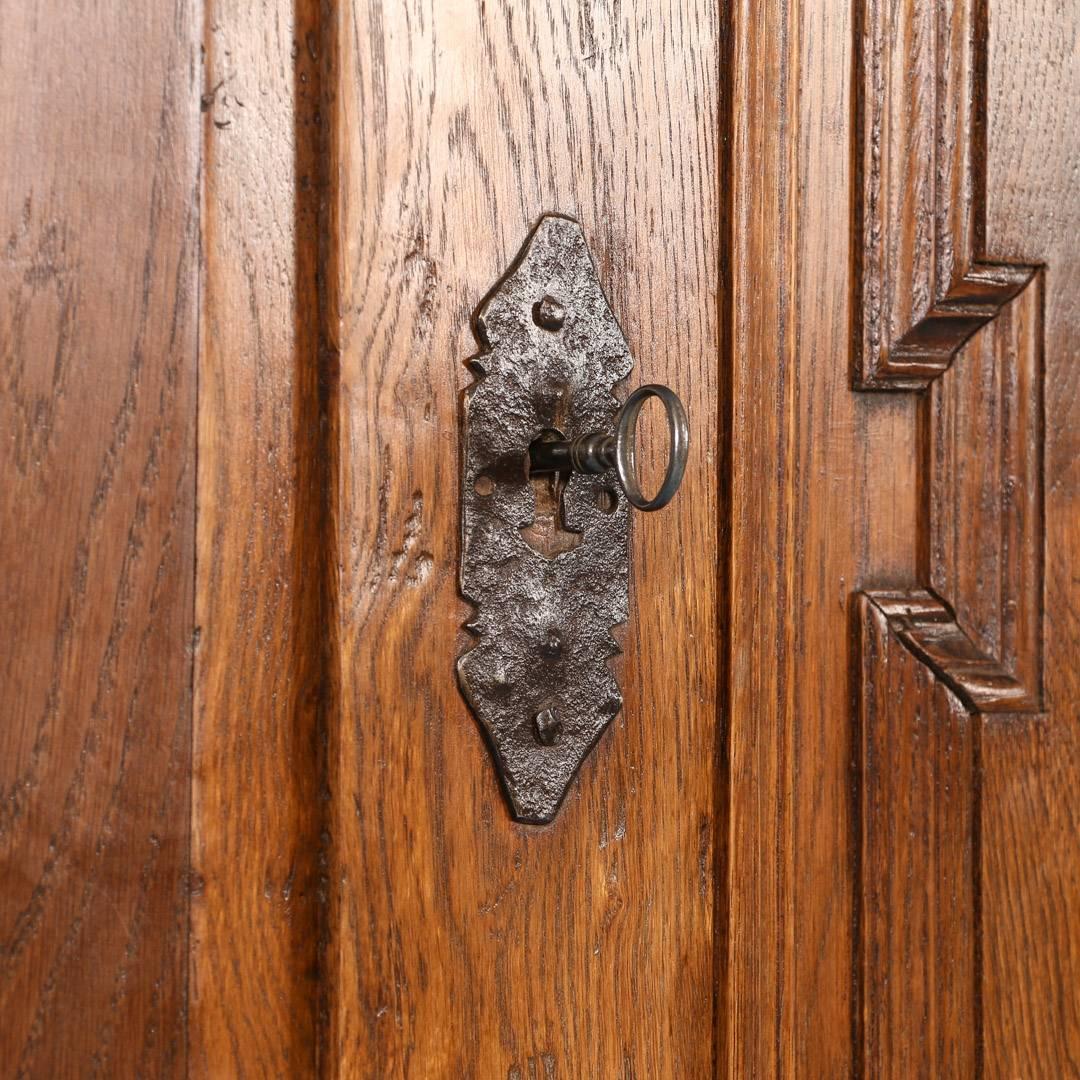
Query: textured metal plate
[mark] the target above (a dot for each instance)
(546, 565)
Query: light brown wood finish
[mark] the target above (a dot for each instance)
(822, 498)
(964, 637)
(819, 840)
(872, 491)
(98, 276)
(462, 943)
(918, 754)
(933, 659)
(1031, 771)
(257, 812)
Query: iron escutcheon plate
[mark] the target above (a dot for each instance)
(538, 677)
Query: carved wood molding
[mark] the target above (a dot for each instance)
(923, 290)
(923, 285)
(917, 909)
(975, 616)
(934, 315)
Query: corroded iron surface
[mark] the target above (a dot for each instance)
(538, 677)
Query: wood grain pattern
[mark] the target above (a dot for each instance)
(460, 942)
(1031, 771)
(889, 491)
(822, 499)
(262, 549)
(918, 757)
(923, 283)
(831, 833)
(983, 529)
(98, 275)
(981, 526)
(974, 614)
(925, 287)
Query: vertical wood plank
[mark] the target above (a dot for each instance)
(973, 616)
(758, 1035)
(459, 941)
(98, 276)
(1031, 771)
(823, 496)
(260, 664)
(918, 777)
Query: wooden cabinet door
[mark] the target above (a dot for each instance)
(249, 825)
(902, 700)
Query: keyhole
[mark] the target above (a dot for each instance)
(547, 533)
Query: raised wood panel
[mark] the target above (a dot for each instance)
(459, 941)
(970, 625)
(98, 298)
(1031, 770)
(922, 281)
(965, 637)
(982, 474)
(981, 535)
(262, 549)
(918, 903)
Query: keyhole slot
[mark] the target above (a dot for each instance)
(547, 533)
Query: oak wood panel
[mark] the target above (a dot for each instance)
(973, 616)
(262, 549)
(918, 761)
(983, 529)
(979, 627)
(98, 276)
(923, 282)
(980, 632)
(461, 942)
(1031, 772)
(983, 430)
(824, 498)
